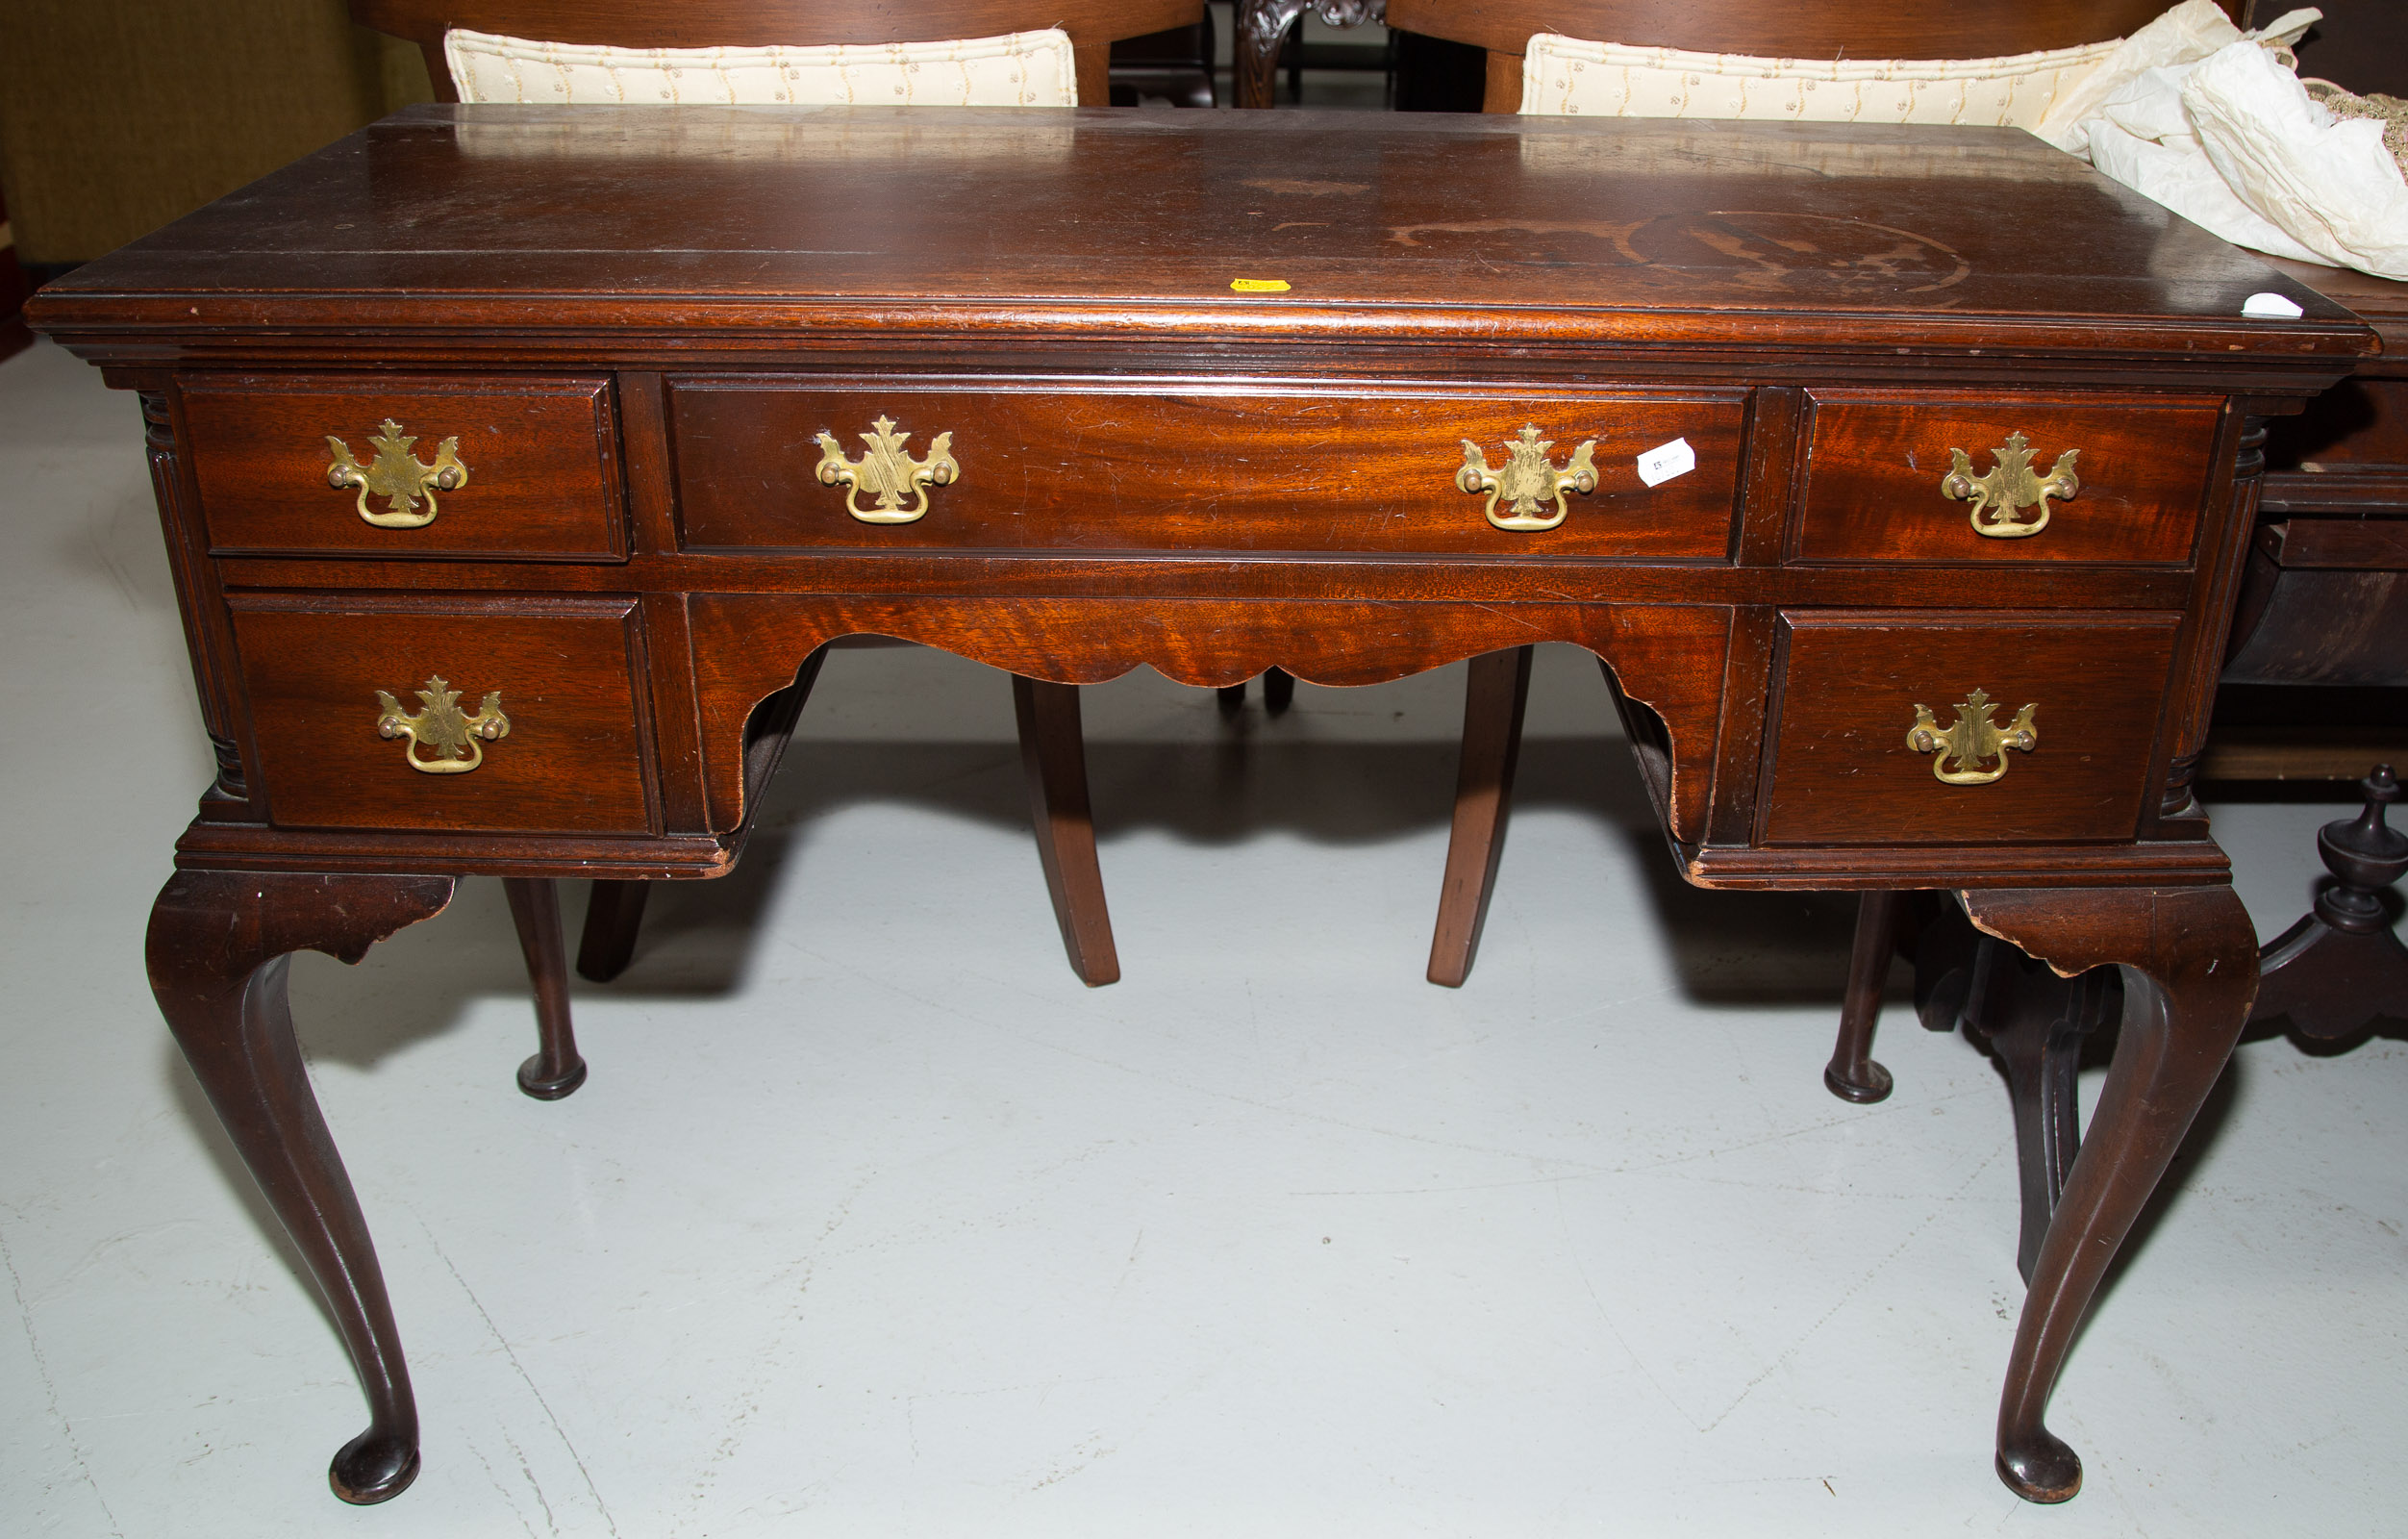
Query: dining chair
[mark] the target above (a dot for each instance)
(1046, 714)
(1767, 30)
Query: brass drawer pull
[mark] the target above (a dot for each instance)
(397, 476)
(442, 726)
(1528, 478)
(1972, 740)
(886, 472)
(2009, 488)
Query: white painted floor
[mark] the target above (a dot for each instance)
(872, 1220)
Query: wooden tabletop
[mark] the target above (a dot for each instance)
(2380, 302)
(459, 219)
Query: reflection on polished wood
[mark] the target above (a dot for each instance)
(1212, 483)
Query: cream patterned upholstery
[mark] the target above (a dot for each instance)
(1569, 76)
(1020, 69)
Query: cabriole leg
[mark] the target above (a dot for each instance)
(218, 949)
(2189, 970)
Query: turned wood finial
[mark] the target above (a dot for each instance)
(2342, 968)
(2365, 855)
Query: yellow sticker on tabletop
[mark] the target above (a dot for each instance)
(1259, 286)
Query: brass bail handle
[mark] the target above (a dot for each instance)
(1973, 743)
(455, 738)
(1528, 480)
(397, 476)
(2000, 495)
(886, 472)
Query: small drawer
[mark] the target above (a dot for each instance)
(539, 456)
(1177, 467)
(1852, 683)
(1877, 463)
(570, 758)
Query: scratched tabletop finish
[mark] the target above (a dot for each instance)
(1629, 229)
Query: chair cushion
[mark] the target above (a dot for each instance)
(1567, 75)
(1020, 69)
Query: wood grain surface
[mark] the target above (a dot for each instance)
(1843, 773)
(889, 229)
(542, 459)
(574, 759)
(1877, 460)
(1166, 464)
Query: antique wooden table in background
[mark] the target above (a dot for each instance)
(1219, 391)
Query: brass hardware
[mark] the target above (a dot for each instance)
(444, 727)
(1527, 478)
(888, 472)
(1970, 740)
(397, 476)
(2009, 488)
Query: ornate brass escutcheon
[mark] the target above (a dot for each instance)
(397, 476)
(1971, 740)
(1528, 479)
(886, 472)
(454, 735)
(2009, 488)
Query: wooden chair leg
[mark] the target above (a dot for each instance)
(1852, 1074)
(1279, 690)
(535, 907)
(1493, 699)
(613, 915)
(1053, 752)
(2037, 1023)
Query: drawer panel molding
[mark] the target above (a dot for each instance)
(318, 670)
(1889, 475)
(1183, 465)
(338, 466)
(1861, 756)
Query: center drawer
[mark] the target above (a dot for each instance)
(761, 464)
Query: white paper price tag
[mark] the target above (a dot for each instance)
(2271, 307)
(1665, 461)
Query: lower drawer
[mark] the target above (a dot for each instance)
(1856, 685)
(542, 732)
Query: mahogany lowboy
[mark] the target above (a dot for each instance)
(1215, 394)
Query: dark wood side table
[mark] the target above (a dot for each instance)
(510, 458)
